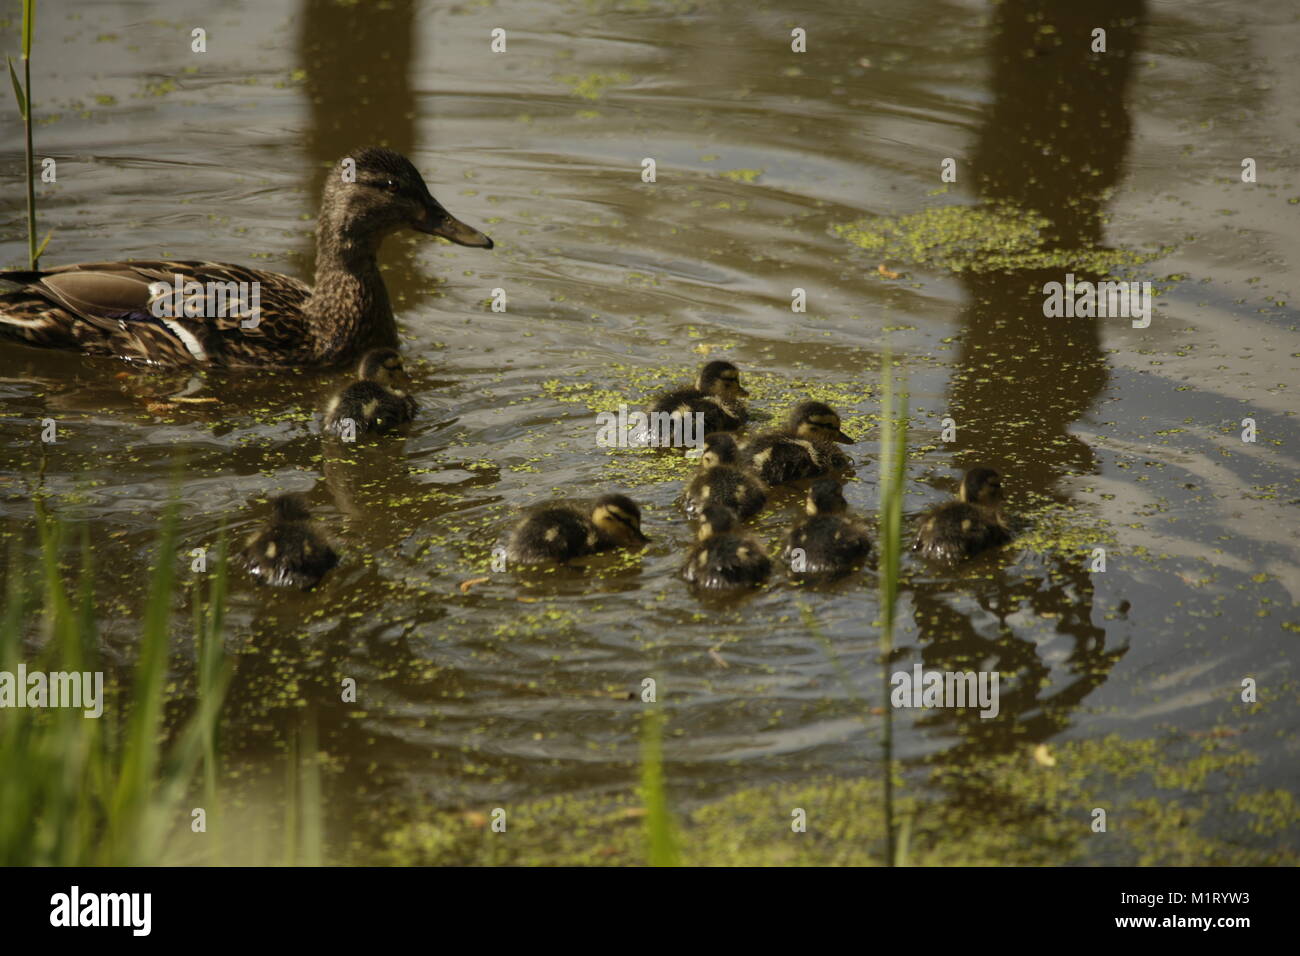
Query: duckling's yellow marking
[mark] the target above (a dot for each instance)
(271, 551)
(552, 534)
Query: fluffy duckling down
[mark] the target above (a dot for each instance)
(973, 523)
(829, 541)
(724, 480)
(377, 402)
(725, 558)
(805, 448)
(290, 551)
(559, 531)
(717, 395)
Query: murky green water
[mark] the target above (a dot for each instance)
(517, 689)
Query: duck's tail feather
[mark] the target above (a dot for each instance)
(31, 319)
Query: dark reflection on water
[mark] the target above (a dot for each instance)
(359, 59)
(1055, 146)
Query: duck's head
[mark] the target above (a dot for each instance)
(826, 497)
(818, 420)
(720, 448)
(717, 519)
(376, 191)
(981, 486)
(618, 517)
(289, 508)
(384, 367)
(721, 379)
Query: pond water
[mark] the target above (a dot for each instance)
(769, 165)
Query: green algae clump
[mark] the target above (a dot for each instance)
(991, 237)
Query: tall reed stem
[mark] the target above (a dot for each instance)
(23, 94)
(893, 470)
(32, 257)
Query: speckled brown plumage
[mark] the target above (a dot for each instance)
(109, 308)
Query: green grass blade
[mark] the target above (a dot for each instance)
(18, 89)
(309, 796)
(132, 799)
(661, 838)
(29, 26)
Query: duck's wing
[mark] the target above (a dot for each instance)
(171, 311)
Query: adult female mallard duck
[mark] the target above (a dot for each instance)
(963, 528)
(828, 541)
(213, 314)
(723, 481)
(716, 395)
(561, 530)
(725, 558)
(378, 402)
(290, 550)
(805, 448)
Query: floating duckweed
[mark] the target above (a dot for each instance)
(1001, 810)
(1063, 528)
(593, 85)
(984, 238)
(742, 175)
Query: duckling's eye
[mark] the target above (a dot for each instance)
(392, 186)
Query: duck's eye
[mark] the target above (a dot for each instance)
(392, 186)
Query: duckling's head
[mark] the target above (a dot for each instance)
(377, 191)
(289, 508)
(818, 420)
(721, 379)
(981, 486)
(717, 519)
(720, 448)
(618, 517)
(826, 497)
(384, 367)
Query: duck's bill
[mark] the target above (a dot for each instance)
(742, 391)
(841, 437)
(439, 222)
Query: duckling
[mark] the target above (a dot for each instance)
(963, 528)
(378, 402)
(290, 551)
(725, 558)
(828, 541)
(717, 395)
(561, 530)
(803, 449)
(722, 480)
